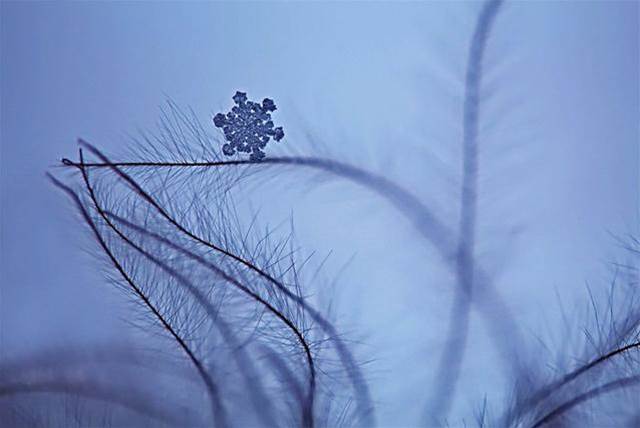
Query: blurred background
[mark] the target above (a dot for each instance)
(377, 84)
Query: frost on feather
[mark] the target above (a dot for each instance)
(248, 127)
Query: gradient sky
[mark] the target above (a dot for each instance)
(379, 84)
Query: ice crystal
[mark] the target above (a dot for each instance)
(248, 127)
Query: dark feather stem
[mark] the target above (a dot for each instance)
(247, 369)
(217, 408)
(493, 309)
(579, 371)
(544, 392)
(308, 417)
(357, 380)
(280, 366)
(586, 396)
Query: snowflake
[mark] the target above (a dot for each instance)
(248, 127)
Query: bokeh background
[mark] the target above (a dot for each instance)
(378, 84)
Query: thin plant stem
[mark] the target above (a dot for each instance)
(617, 384)
(218, 410)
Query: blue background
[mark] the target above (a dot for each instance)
(378, 84)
